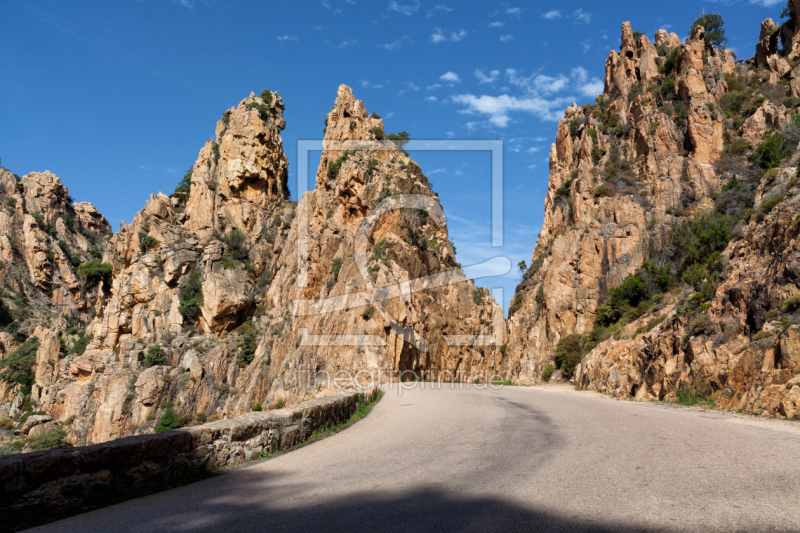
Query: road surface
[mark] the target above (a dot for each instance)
(513, 459)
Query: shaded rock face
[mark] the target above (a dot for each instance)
(727, 336)
(271, 281)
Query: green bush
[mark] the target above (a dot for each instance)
(18, 366)
(692, 396)
(169, 421)
(569, 352)
(763, 334)
(368, 312)
(257, 407)
(770, 153)
(155, 356)
(701, 325)
(191, 294)
(791, 304)
(11, 202)
(547, 372)
(562, 193)
(399, 138)
(94, 271)
(378, 133)
(695, 275)
(633, 291)
(184, 186)
(335, 166)
(79, 346)
(146, 241)
(49, 441)
(769, 203)
(713, 25)
(236, 242)
(247, 346)
(602, 191)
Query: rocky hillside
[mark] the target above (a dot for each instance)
(225, 296)
(667, 267)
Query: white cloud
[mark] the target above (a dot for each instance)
(287, 38)
(346, 44)
(458, 171)
(318, 28)
(404, 9)
(390, 114)
(172, 171)
(497, 108)
(364, 83)
(586, 86)
(538, 83)
(412, 86)
(508, 37)
(552, 14)
(392, 45)
(766, 3)
(450, 135)
(514, 11)
(446, 9)
(188, 4)
(532, 150)
(434, 86)
(531, 167)
(438, 36)
(483, 78)
(430, 99)
(437, 171)
(471, 126)
(497, 24)
(452, 77)
(582, 17)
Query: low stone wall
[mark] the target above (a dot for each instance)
(44, 486)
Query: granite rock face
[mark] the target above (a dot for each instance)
(638, 181)
(225, 295)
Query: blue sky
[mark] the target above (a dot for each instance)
(117, 98)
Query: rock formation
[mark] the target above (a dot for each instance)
(226, 296)
(667, 266)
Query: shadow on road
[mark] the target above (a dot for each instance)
(422, 510)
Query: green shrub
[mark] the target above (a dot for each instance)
(49, 441)
(597, 153)
(601, 191)
(633, 291)
(184, 186)
(7, 424)
(169, 421)
(247, 345)
(701, 325)
(738, 146)
(11, 202)
(266, 95)
(236, 242)
(257, 407)
(695, 275)
(335, 166)
(713, 25)
(146, 242)
(155, 356)
(191, 294)
(378, 133)
(562, 193)
(547, 372)
(94, 271)
(692, 396)
(569, 352)
(763, 334)
(18, 366)
(791, 304)
(399, 138)
(368, 312)
(769, 203)
(375, 115)
(770, 153)
(79, 346)
(772, 315)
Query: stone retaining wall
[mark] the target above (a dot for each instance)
(44, 486)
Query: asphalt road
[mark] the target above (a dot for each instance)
(515, 459)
